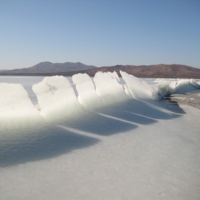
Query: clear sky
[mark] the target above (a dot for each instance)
(99, 32)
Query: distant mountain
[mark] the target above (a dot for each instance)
(48, 67)
(153, 71)
(143, 71)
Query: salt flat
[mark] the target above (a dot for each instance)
(134, 149)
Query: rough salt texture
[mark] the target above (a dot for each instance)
(191, 99)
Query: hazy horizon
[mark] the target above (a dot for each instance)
(99, 66)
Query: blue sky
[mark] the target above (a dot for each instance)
(99, 32)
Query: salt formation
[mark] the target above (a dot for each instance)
(139, 89)
(87, 95)
(104, 91)
(179, 86)
(134, 150)
(16, 108)
(56, 97)
(109, 89)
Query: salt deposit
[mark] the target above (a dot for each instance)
(101, 138)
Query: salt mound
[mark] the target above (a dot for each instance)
(87, 95)
(179, 86)
(16, 108)
(109, 89)
(138, 88)
(56, 97)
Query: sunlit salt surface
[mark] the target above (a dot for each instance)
(97, 138)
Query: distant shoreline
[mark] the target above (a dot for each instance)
(91, 75)
(141, 71)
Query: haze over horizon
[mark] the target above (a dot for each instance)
(99, 33)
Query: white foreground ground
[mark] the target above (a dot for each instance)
(152, 161)
(134, 150)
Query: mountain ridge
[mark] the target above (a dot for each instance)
(141, 71)
(153, 71)
(49, 67)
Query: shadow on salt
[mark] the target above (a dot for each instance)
(155, 110)
(95, 123)
(52, 141)
(123, 117)
(45, 143)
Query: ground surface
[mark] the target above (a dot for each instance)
(191, 99)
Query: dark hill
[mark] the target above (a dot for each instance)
(153, 71)
(143, 71)
(48, 67)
